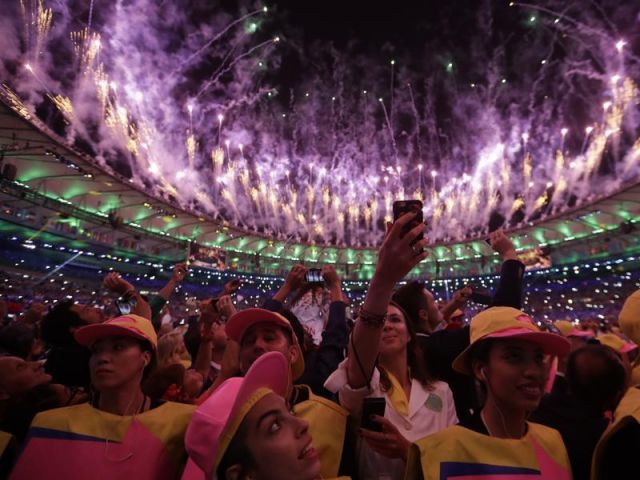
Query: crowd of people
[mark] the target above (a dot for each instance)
(111, 381)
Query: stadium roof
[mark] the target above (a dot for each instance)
(50, 170)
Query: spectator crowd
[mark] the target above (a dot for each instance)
(106, 379)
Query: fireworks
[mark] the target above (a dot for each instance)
(324, 161)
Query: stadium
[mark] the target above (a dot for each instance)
(59, 204)
(345, 207)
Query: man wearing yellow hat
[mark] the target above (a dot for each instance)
(257, 331)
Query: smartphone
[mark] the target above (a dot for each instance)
(125, 305)
(314, 275)
(372, 406)
(401, 207)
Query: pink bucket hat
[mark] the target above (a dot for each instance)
(216, 421)
(239, 323)
(507, 322)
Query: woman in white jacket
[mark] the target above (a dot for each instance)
(384, 361)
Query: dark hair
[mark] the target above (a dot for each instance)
(600, 381)
(415, 358)
(237, 454)
(411, 298)
(56, 325)
(192, 336)
(17, 339)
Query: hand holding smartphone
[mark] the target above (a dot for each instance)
(372, 406)
(401, 207)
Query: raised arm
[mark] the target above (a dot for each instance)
(396, 257)
(509, 291)
(208, 315)
(177, 276)
(325, 360)
(459, 300)
(294, 280)
(115, 283)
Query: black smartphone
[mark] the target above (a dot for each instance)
(372, 406)
(401, 207)
(314, 275)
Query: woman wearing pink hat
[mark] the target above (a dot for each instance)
(245, 428)
(122, 433)
(508, 358)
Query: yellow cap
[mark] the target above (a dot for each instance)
(507, 322)
(618, 344)
(629, 318)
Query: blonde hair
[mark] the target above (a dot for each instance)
(169, 348)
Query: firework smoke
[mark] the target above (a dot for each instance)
(177, 97)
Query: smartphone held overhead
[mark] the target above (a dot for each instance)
(402, 207)
(314, 275)
(125, 304)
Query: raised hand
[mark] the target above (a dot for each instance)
(115, 283)
(389, 443)
(463, 295)
(179, 272)
(503, 245)
(398, 254)
(330, 276)
(295, 277)
(231, 286)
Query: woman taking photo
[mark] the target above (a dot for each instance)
(384, 361)
(245, 429)
(122, 433)
(508, 356)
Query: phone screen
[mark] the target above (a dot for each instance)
(372, 406)
(314, 275)
(125, 305)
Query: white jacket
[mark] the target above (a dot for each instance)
(429, 412)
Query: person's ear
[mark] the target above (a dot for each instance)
(234, 472)
(479, 371)
(146, 358)
(294, 353)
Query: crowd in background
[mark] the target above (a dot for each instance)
(105, 375)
